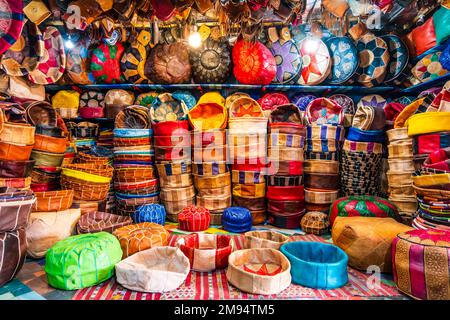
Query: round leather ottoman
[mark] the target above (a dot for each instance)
(150, 213)
(194, 219)
(137, 237)
(237, 219)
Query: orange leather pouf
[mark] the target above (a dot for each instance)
(137, 237)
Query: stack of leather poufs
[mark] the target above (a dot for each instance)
(90, 182)
(247, 138)
(324, 136)
(431, 132)
(15, 208)
(173, 154)
(16, 142)
(421, 265)
(211, 173)
(51, 220)
(135, 181)
(50, 146)
(399, 175)
(362, 152)
(285, 191)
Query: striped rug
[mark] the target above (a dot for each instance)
(214, 285)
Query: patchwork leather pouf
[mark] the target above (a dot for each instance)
(315, 223)
(206, 252)
(237, 219)
(421, 262)
(137, 237)
(82, 261)
(194, 219)
(13, 249)
(150, 213)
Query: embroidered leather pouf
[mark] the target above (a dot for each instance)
(253, 63)
(150, 213)
(373, 60)
(364, 206)
(421, 262)
(315, 222)
(429, 68)
(211, 63)
(367, 241)
(288, 60)
(316, 61)
(237, 219)
(133, 60)
(105, 63)
(345, 59)
(194, 219)
(82, 261)
(137, 237)
(399, 57)
(78, 63)
(206, 252)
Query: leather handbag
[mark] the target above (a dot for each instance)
(16, 168)
(211, 62)
(325, 181)
(169, 64)
(15, 152)
(49, 144)
(53, 201)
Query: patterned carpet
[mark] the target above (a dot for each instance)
(31, 284)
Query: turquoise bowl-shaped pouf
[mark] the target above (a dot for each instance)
(82, 261)
(155, 213)
(316, 265)
(237, 219)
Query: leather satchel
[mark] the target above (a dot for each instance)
(169, 64)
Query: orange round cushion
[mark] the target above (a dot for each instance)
(137, 237)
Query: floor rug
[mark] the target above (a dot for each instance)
(214, 285)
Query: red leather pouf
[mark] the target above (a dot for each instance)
(194, 219)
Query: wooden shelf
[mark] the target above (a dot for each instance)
(418, 88)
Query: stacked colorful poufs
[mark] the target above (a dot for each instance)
(150, 213)
(173, 153)
(15, 208)
(247, 138)
(367, 241)
(421, 264)
(363, 206)
(237, 219)
(137, 237)
(211, 173)
(362, 152)
(82, 261)
(399, 175)
(324, 136)
(135, 179)
(285, 191)
(194, 219)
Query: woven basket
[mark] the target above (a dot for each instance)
(100, 170)
(53, 201)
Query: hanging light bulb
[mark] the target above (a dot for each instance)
(195, 40)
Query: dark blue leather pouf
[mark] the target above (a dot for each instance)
(237, 219)
(150, 213)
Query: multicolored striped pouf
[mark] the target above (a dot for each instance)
(421, 263)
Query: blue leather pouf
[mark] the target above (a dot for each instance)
(316, 265)
(237, 219)
(150, 213)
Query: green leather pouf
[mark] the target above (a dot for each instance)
(82, 261)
